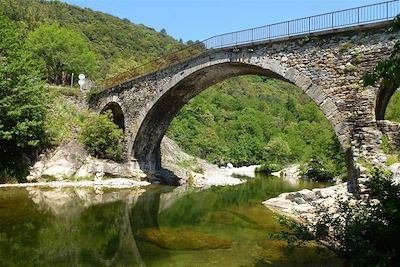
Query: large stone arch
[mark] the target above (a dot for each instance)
(185, 85)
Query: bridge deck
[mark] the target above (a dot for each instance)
(375, 15)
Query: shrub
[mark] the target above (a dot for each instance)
(317, 170)
(269, 168)
(102, 138)
(363, 232)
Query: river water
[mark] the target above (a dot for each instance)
(163, 226)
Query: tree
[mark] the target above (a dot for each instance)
(102, 137)
(363, 232)
(388, 70)
(22, 101)
(278, 150)
(63, 51)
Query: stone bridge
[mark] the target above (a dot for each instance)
(328, 66)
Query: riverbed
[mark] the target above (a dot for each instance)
(150, 226)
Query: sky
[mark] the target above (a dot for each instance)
(200, 19)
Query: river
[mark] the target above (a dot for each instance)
(158, 226)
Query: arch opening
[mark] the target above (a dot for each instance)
(146, 147)
(386, 95)
(117, 114)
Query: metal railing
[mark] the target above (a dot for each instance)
(334, 20)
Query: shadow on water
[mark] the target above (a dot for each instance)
(163, 226)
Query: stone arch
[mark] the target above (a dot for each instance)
(185, 86)
(384, 94)
(118, 114)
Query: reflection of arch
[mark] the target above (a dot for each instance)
(146, 147)
(118, 115)
(385, 92)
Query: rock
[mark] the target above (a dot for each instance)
(62, 162)
(299, 200)
(303, 208)
(291, 172)
(395, 169)
(229, 165)
(279, 203)
(173, 239)
(71, 159)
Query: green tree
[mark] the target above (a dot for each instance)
(278, 150)
(102, 137)
(387, 70)
(22, 101)
(64, 52)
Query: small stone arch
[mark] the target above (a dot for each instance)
(384, 94)
(118, 114)
(185, 86)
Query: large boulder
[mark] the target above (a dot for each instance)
(60, 163)
(71, 159)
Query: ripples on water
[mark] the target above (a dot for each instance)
(164, 226)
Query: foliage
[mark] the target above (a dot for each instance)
(317, 170)
(22, 101)
(63, 51)
(192, 165)
(363, 232)
(66, 118)
(269, 168)
(117, 42)
(256, 120)
(102, 137)
(393, 109)
(387, 70)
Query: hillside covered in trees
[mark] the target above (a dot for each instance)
(245, 120)
(118, 43)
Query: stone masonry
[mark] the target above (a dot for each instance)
(328, 66)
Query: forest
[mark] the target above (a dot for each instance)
(244, 120)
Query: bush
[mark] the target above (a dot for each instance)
(269, 168)
(317, 171)
(363, 232)
(102, 138)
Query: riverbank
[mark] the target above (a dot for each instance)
(301, 204)
(108, 183)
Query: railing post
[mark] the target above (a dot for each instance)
(236, 34)
(332, 20)
(252, 35)
(309, 24)
(288, 28)
(358, 15)
(387, 10)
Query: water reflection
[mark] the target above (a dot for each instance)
(162, 226)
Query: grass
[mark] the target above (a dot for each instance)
(366, 164)
(65, 119)
(192, 165)
(391, 159)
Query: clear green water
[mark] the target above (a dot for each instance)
(164, 226)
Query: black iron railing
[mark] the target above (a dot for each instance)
(334, 20)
